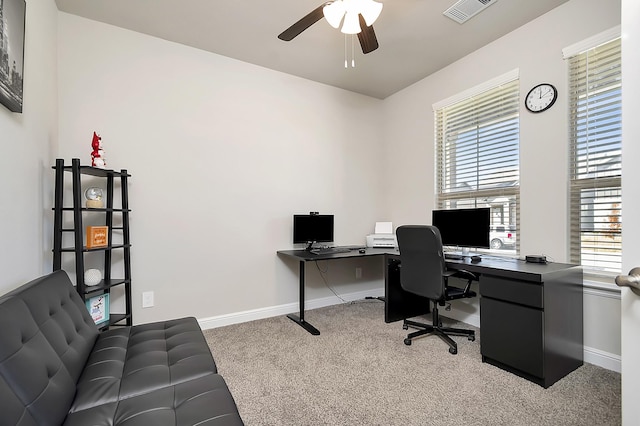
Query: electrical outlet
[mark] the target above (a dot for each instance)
(358, 273)
(147, 299)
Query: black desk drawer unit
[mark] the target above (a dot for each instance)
(533, 328)
(520, 292)
(512, 334)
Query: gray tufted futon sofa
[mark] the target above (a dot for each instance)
(57, 368)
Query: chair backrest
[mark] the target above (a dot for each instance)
(421, 260)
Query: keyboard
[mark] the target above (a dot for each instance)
(331, 250)
(454, 256)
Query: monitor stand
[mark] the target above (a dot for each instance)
(457, 252)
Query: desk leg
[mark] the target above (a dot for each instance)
(300, 319)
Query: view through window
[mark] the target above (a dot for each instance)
(478, 160)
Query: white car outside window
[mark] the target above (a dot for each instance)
(502, 237)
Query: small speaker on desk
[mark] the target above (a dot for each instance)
(536, 259)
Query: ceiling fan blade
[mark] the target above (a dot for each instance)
(367, 37)
(304, 23)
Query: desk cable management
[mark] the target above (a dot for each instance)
(326, 283)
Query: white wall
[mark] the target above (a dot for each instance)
(222, 154)
(631, 201)
(536, 50)
(26, 141)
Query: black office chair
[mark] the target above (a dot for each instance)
(423, 272)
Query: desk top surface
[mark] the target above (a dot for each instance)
(309, 256)
(489, 265)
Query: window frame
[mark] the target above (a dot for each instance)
(585, 179)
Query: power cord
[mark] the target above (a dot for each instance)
(324, 279)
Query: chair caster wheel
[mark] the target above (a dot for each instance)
(407, 342)
(405, 327)
(453, 351)
(472, 338)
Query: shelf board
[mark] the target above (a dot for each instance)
(113, 228)
(85, 249)
(102, 286)
(97, 210)
(114, 319)
(96, 171)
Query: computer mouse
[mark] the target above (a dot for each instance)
(362, 251)
(475, 259)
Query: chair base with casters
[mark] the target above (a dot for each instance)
(451, 293)
(438, 330)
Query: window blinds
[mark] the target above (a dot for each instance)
(477, 142)
(478, 153)
(595, 100)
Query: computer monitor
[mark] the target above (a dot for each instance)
(312, 228)
(463, 227)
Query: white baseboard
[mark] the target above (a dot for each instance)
(603, 359)
(591, 355)
(289, 308)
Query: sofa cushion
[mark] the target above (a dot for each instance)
(134, 360)
(62, 317)
(165, 353)
(30, 369)
(202, 401)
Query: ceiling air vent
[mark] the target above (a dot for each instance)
(464, 10)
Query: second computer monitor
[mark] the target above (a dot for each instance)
(463, 227)
(312, 228)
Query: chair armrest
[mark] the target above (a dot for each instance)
(464, 274)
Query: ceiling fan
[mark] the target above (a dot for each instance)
(359, 16)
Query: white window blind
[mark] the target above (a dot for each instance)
(478, 157)
(595, 100)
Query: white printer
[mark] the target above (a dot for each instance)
(383, 236)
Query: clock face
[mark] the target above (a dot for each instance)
(541, 97)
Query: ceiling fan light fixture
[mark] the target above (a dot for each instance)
(370, 10)
(351, 13)
(333, 13)
(351, 23)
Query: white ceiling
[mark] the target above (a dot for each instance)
(415, 38)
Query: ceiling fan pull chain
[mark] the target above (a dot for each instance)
(345, 52)
(353, 55)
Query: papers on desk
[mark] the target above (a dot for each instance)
(383, 228)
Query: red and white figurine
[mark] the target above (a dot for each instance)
(97, 155)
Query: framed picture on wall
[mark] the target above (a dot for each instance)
(12, 19)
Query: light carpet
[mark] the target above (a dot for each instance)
(358, 371)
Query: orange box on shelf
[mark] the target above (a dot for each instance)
(97, 236)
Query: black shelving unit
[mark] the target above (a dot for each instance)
(78, 248)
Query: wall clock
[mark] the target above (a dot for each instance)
(541, 97)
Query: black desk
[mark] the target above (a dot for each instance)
(531, 315)
(304, 256)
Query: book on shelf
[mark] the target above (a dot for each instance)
(98, 307)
